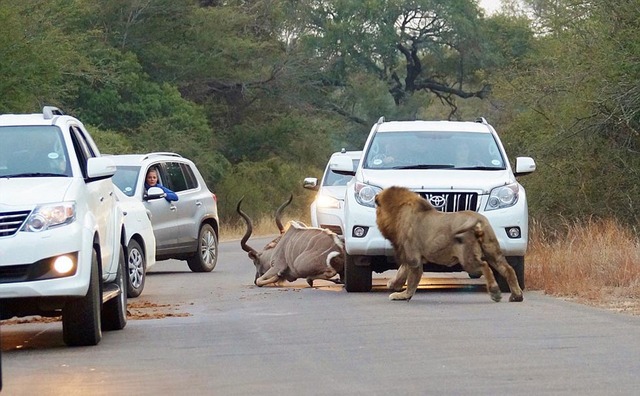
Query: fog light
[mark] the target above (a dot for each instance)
(63, 265)
(513, 232)
(360, 231)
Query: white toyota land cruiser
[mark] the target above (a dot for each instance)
(455, 166)
(61, 248)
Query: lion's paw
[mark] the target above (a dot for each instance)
(391, 285)
(399, 296)
(516, 297)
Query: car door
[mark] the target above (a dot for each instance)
(100, 197)
(164, 214)
(180, 179)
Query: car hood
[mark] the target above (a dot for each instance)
(438, 179)
(29, 191)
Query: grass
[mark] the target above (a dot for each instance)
(262, 226)
(596, 262)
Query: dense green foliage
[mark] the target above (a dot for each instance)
(260, 93)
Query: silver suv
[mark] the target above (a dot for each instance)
(186, 229)
(61, 230)
(456, 166)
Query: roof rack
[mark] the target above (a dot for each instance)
(160, 153)
(481, 120)
(380, 120)
(49, 111)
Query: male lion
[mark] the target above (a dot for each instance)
(419, 234)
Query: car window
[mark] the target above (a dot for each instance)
(82, 148)
(33, 150)
(175, 177)
(447, 150)
(332, 178)
(192, 181)
(126, 178)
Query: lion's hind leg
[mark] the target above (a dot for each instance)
(492, 285)
(414, 274)
(504, 269)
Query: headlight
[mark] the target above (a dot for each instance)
(326, 201)
(49, 216)
(503, 197)
(366, 194)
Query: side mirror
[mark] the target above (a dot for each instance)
(342, 164)
(154, 193)
(310, 183)
(100, 168)
(524, 166)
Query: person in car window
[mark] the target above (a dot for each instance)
(152, 181)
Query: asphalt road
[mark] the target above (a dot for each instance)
(218, 334)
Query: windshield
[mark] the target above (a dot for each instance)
(433, 150)
(33, 151)
(126, 178)
(332, 178)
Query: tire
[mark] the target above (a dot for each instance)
(517, 263)
(206, 257)
(136, 269)
(81, 321)
(114, 311)
(357, 278)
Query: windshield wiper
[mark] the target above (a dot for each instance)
(425, 166)
(36, 174)
(479, 167)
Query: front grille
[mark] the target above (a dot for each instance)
(452, 201)
(10, 222)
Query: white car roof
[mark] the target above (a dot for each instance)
(138, 159)
(352, 154)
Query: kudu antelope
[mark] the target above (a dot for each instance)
(299, 252)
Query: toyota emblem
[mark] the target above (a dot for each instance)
(438, 201)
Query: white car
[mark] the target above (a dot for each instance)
(427, 157)
(327, 209)
(139, 240)
(60, 227)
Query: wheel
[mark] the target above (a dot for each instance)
(81, 316)
(114, 311)
(137, 269)
(206, 257)
(357, 277)
(517, 263)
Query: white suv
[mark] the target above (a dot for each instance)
(61, 250)
(429, 158)
(327, 209)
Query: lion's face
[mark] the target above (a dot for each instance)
(390, 205)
